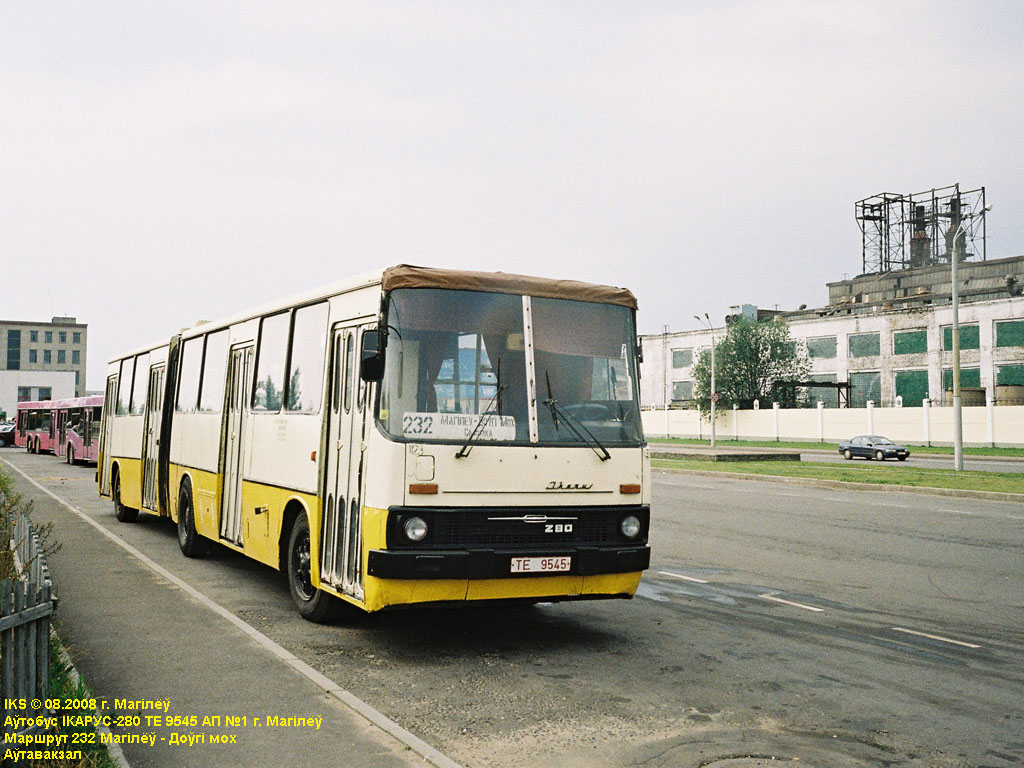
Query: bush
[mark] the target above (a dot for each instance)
(12, 506)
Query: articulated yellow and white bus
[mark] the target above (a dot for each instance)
(411, 436)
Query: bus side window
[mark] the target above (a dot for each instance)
(215, 361)
(349, 361)
(361, 384)
(339, 374)
(124, 384)
(268, 392)
(140, 384)
(306, 361)
(188, 378)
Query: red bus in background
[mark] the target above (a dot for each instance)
(33, 429)
(69, 429)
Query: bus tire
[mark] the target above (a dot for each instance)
(189, 540)
(313, 604)
(121, 512)
(69, 455)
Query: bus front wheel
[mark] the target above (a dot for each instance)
(191, 543)
(121, 512)
(313, 604)
(70, 454)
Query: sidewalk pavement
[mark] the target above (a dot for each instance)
(135, 635)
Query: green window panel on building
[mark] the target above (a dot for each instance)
(864, 345)
(968, 337)
(682, 358)
(682, 390)
(1010, 374)
(14, 350)
(969, 377)
(909, 342)
(864, 387)
(912, 386)
(1010, 333)
(823, 347)
(829, 396)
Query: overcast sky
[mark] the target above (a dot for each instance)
(162, 163)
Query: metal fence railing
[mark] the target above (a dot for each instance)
(26, 605)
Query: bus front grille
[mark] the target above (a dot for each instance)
(517, 528)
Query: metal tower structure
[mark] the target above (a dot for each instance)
(905, 231)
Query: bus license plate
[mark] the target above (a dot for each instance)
(541, 564)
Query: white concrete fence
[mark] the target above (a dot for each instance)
(983, 425)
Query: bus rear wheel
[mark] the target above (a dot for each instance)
(313, 604)
(189, 540)
(69, 455)
(121, 512)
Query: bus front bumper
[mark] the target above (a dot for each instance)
(498, 564)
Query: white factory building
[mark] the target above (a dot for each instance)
(888, 334)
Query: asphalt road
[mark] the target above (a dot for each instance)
(837, 627)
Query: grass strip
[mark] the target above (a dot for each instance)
(874, 474)
(942, 450)
(66, 684)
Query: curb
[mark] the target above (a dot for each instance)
(114, 751)
(815, 482)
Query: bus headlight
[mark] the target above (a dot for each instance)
(415, 528)
(630, 526)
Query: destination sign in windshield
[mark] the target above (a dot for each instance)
(458, 426)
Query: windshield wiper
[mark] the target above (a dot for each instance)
(572, 422)
(471, 440)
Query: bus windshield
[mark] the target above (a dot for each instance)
(457, 362)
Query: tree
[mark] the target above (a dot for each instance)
(749, 360)
(268, 396)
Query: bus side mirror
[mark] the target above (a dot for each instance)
(371, 356)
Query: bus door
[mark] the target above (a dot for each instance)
(238, 383)
(62, 432)
(109, 405)
(340, 553)
(87, 426)
(151, 436)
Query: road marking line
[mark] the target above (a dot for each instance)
(689, 485)
(935, 637)
(767, 596)
(393, 729)
(684, 578)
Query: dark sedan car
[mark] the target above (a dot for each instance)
(6, 433)
(873, 447)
